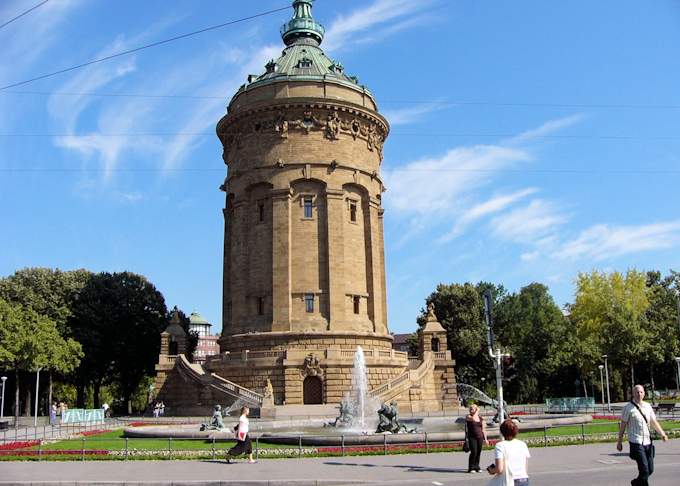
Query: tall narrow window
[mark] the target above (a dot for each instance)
(260, 211)
(260, 306)
(309, 302)
(356, 301)
(308, 206)
(353, 212)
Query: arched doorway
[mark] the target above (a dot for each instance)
(312, 391)
(435, 344)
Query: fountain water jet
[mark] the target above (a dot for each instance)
(360, 387)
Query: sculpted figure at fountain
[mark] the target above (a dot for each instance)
(388, 420)
(216, 422)
(346, 416)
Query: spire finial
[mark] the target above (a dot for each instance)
(302, 25)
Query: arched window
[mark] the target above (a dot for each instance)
(435, 344)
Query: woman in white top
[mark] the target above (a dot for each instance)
(512, 456)
(243, 443)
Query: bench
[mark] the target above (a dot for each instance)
(4, 424)
(666, 408)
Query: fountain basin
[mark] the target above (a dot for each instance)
(312, 432)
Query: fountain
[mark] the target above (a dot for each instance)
(358, 419)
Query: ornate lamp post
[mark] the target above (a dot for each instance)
(606, 373)
(2, 406)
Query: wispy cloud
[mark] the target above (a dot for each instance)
(436, 184)
(411, 114)
(527, 224)
(491, 206)
(603, 241)
(381, 18)
(547, 128)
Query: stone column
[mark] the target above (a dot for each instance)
(381, 266)
(337, 298)
(226, 271)
(281, 260)
(238, 268)
(373, 271)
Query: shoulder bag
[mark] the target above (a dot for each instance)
(466, 444)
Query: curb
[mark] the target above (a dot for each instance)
(227, 482)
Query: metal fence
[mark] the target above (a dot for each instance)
(132, 448)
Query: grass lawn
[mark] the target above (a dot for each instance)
(595, 427)
(114, 441)
(95, 446)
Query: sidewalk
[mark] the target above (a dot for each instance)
(555, 466)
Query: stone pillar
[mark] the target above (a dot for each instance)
(337, 290)
(239, 300)
(226, 271)
(373, 271)
(381, 267)
(281, 260)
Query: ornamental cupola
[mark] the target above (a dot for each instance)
(302, 59)
(302, 27)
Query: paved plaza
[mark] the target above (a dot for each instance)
(569, 465)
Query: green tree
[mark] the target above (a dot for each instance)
(663, 323)
(118, 318)
(532, 328)
(51, 293)
(29, 341)
(46, 291)
(610, 310)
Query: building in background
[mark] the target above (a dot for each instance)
(207, 343)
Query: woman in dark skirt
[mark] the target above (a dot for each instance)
(243, 443)
(475, 429)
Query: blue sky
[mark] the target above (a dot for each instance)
(530, 140)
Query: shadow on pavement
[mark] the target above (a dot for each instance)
(400, 466)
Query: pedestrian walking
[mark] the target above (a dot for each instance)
(53, 413)
(156, 409)
(475, 436)
(636, 416)
(243, 443)
(161, 410)
(511, 465)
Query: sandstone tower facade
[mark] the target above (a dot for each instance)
(304, 262)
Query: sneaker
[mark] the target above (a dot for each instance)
(251, 462)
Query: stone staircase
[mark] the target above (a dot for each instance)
(195, 372)
(419, 371)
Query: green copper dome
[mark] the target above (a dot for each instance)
(302, 59)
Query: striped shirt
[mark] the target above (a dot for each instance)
(638, 430)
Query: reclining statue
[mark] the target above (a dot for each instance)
(216, 422)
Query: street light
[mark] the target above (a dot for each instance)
(496, 355)
(606, 373)
(37, 385)
(2, 406)
(601, 367)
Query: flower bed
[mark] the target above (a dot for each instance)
(19, 445)
(95, 432)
